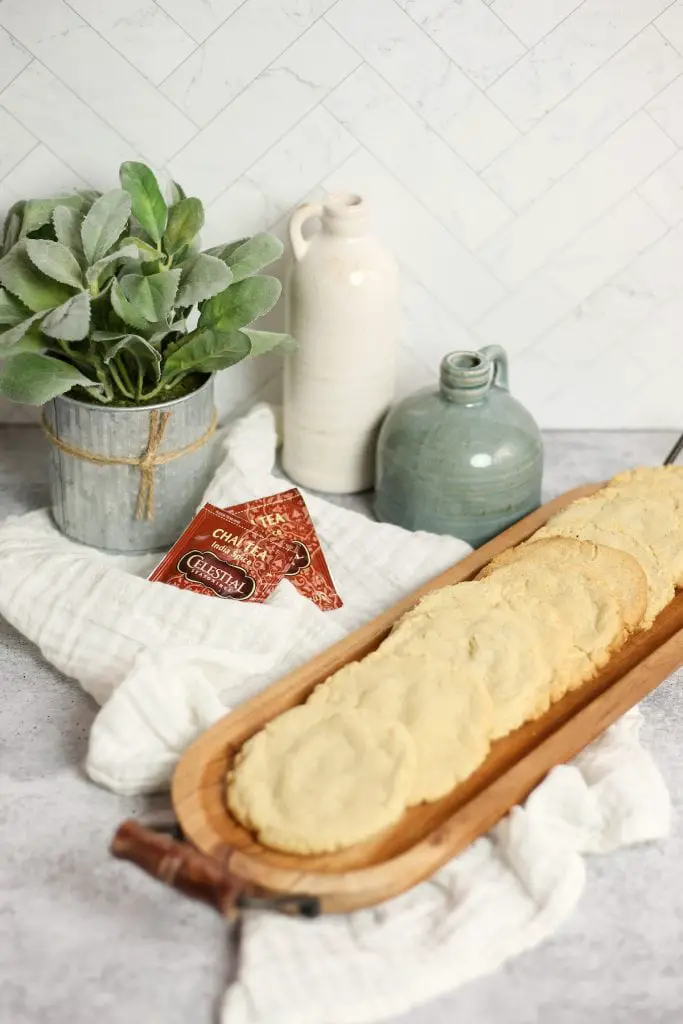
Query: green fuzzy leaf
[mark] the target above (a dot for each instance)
(144, 354)
(108, 335)
(33, 341)
(125, 309)
(183, 256)
(145, 250)
(178, 326)
(38, 212)
(151, 267)
(104, 223)
(185, 221)
(268, 341)
(149, 206)
(152, 297)
(202, 278)
(16, 333)
(88, 197)
(206, 351)
(12, 232)
(35, 290)
(127, 252)
(172, 346)
(11, 310)
(55, 260)
(37, 379)
(252, 255)
(69, 322)
(12, 229)
(225, 250)
(176, 192)
(67, 225)
(187, 253)
(241, 303)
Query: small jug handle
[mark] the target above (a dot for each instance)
(298, 219)
(499, 360)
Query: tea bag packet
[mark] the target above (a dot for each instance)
(223, 555)
(286, 515)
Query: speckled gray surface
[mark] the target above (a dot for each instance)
(84, 939)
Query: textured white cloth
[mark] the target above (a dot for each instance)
(505, 894)
(167, 663)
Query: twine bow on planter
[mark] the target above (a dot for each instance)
(146, 463)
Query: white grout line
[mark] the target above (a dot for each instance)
(130, 64)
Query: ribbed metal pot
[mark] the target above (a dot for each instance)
(96, 504)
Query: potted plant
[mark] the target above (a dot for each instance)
(115, 322)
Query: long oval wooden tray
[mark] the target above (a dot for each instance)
(427, 836)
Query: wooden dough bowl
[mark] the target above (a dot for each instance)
(238, 868)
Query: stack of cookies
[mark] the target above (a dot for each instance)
(467, 665)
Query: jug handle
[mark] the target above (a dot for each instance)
(298, 219)
(499, 360)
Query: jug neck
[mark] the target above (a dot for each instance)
(465, 377)
(344, 214)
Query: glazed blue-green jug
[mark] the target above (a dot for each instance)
(466, 459)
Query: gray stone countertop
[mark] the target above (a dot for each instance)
(85, 939)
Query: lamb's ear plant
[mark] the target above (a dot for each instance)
(111, 295)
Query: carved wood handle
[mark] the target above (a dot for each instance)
(179, 865)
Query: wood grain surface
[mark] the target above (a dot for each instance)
(429, 835)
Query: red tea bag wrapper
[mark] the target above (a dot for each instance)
(285, 515)
(222, 554)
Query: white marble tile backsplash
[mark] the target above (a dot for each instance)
(531, 20)
(13, 57)
(563, 59)
(270, 106)
(663, 190)
(524, 159)
(156, 46)
(199, 18)
(398, 137)
(585, 119)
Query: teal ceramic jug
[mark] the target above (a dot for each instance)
(465, 459)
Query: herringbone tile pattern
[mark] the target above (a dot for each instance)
(524, 159)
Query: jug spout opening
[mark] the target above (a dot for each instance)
(344, 203)
(464, 360)
(465, 376)
(344, 213)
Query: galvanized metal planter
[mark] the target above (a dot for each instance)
(129, 508)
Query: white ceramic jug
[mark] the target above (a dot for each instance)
(339, 383)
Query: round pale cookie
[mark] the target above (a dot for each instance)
(470, 628)
(505, 649)
(615, 569)
(651, 482)
(663, 485)
(315, 780)
(643, 528)
(447, 711)
(465, 603)
(578, 618)
(479, 627)
(469, 596)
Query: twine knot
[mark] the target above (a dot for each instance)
(146, 462)
(158, 422)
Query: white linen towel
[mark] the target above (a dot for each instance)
(167, 663)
